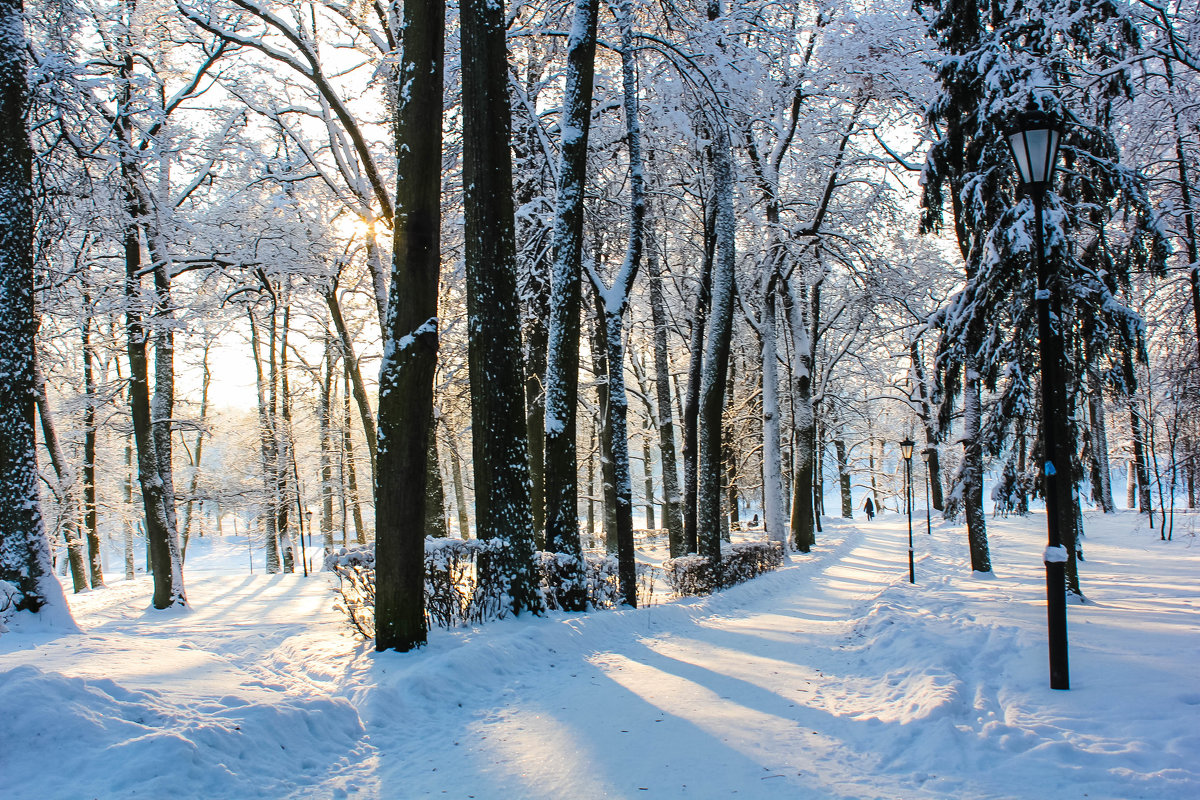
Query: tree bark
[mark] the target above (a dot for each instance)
(562, 363)
(360, 389)
(25, 561)
(672, 502)
(691, 406)
(351, 468)
(67, 490)
(716, 356)
(500, 446)
(268, 455)
(90, 520)
(197, 454)
(410, 340)
(972, 470)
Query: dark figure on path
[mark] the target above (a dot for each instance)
(870, 509)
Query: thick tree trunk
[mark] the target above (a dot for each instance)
(435, 492)
(716, 356)
(500, 446)
(25, 561)
(411, 341)
(562, 363)
(164, 546)
(803, 510)
(163, 404)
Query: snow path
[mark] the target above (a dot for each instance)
(832, 678)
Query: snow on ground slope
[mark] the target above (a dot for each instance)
(832, 678)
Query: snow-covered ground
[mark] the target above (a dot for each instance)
(832, 678)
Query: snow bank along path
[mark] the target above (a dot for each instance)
(833, 678)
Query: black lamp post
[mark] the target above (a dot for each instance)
(928, 520)
(1034, 142)
(308, 527)
(906, 447)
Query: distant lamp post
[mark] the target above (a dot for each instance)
(928, 520)
(308, 530)
(1034, 142)
(906, 448)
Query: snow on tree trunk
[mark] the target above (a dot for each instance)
(501, 453)
(562, 361)
(716, 356)
(27, 581)
(804, 419)
(773, 512)
(403, 500)
(971, 477)
(672, 502)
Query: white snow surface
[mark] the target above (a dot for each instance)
(831, 678)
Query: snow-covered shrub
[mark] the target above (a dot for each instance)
(694, 575)
(601, 579)
(464, 587)
(355, 568)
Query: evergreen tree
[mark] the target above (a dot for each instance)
(999, 63)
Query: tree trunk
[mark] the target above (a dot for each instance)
(929, 422)
(90, 521)
(460, 489)
(325, 420)
(411, 342)
(648, 475)
(773, 511)
(164, 546)
(351, 476)
(691, 406)
(608, 474)
(67, 491)
(972, 471)
(500, 447)
(672, 518)
(197, 454)
(1101, 471)
(716, 356)
(360, 389)
(839, 447)
(562, 363)
(25, 561)
(803, 511)
(268, 454)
